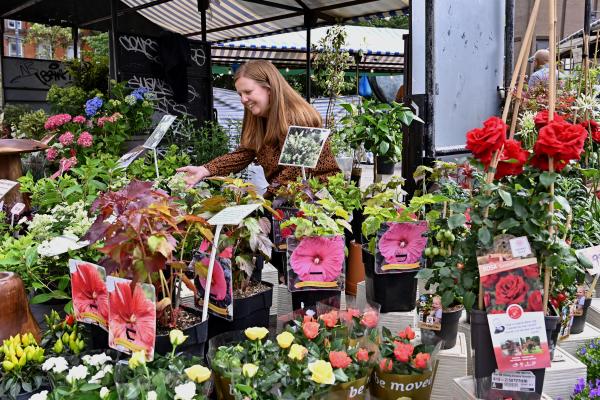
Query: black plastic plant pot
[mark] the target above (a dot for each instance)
(385, 166)
(98, 338)
(447, 334)
(579, 321)
(356, 223)
(309, 298)
(552, 331)
(396, 292)
(194, 344)
(247, 312)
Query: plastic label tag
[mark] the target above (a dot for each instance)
(520, 381)
(520, 247)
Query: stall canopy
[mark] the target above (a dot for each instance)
(382, 48)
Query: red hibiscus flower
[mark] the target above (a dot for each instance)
(403, 351)
(489, 281)
(310, 329)
(89, 293)
(330, 319)
(403, 243)
(484, 141)
(319, 258)
(541, 119)
(531, 271)
(511, 289)
(362, 355)
(370, 319)
(386, 365)
(535, 302)
(421, 360)
(407, 333)
(132, 316)
(512, 159)
(339, 359)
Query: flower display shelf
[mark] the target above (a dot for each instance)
(452, 364)
(572, 342)
(593, 315)
(464, 389)
(397, 321)
(465, 328)
(361, 294)
(271, 275)
(563, 374)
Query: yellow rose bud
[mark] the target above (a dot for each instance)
(25, 340)
(297, 352)
(198, 373)
(322, 372)
(249, 370)
(7, 365)
(137, 358)
(17, 339)
(285, 339)
(177, 337)
(256, 333)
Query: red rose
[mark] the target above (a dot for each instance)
(310, 329)
(593, 128)
(362, 355)
(483, 142)
(497, 311)
(421, 360)
(541, 162)
(407, 333)
(535, 302)
(541, 119)
(512, 159)
(489, 281)
(339, 359)
(511, 289)
(561, 141)
(531, 271)
(386, 365)
(330, 319)
(548, 141)
(403, 351)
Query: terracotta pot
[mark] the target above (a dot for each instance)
(16, 316)
(356, 270)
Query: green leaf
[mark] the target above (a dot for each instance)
(564, 203)
(508, 223)
(456, 221)
(484, 236)
(447, 298)
(548, 178)
(469, 300)
(506, 197)
(445, 272)
(383, 148)
(425, 274)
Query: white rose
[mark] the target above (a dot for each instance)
(77, 373)
(96, 378)
(104, 392)
(186, 391)
(60, 365)
(43, 395)
(152, 395)
(48, 364)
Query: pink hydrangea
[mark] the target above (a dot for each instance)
(80, 119)
(56, 121)
(85, 139)
(66, 139)
(51, 154)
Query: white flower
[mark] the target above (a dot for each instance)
(86, 359)
(55, 364)
(104, 392)
(129, 99)
(98, 359)
(186, 391)
(98, 377)
(43, 395)
(152, 395)
(108, 368)
(77, 373)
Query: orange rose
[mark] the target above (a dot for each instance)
(310, 329)
(386, 365)
(330, 318)
(370, 319)
(339, 359)
(362, 355)
(421, 360)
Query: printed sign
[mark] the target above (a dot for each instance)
(430, 312)
(221, 288)
(303, 146)
(129, 157)
(131, 316)
(6, 186)
(593, 255)
(233, 215)
(160, 130)
(519, 339)
(520, 247)
(90, 295)
(393, 386)
(519, 381)
(400, 247)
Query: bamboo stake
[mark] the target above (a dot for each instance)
(519, 91)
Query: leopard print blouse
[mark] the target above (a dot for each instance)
(268, 158)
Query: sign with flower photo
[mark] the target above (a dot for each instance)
(316, 262)
(221, 287)
(303, 146)
(400, 246)
(280, 235)
(89, 292)
(131, 316)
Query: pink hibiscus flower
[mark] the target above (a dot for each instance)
(89, 293)
(318, 259)
(403, 243)
(132, 316)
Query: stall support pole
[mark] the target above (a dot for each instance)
(114, 63)
(75, 34)
(509, 39)
(308, 93)
(1, 62)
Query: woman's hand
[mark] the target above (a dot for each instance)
(194, 174)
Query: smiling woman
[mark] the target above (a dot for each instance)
(271, 106)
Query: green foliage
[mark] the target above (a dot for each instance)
(345, 192)
(98, 43)
(52, 36)
(397, 21)
(68, 99)
(202, 143)
(589, 354)
(12, 113)
(324, 218)
(143, 168)
(91, 76)
(31, 125)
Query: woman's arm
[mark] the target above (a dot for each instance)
(231, 163)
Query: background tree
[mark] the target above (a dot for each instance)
(51, 37)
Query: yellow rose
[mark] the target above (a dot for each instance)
(137, 358)
(256, 333)
(177, 337)
(297, 352)
(285, 339)
(322, 372)
(249, 370)
(197, 373)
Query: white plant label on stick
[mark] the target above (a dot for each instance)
(228, 216)
(520, 247)
(6, 186)
(303, 146)
(15, 211)
(159, 132)
(129, 157)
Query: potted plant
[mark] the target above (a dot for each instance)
(63, 336)
(21, 359)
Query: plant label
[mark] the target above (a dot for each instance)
(399, 247)
(129, 157)
(159, 132)
(233, 215)
(17, 209)
(429, 312)
(90, 295)
(6, 186)
(303, 146)
(220, 299)
(519, 381)
(520, 247)
(593, 255)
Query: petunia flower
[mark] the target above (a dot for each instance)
(318, 258)
(403, 243)
(89, 292)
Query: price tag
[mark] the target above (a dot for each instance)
(6, 186)
(520, 381)
(160, 130)
(593, 255)
(324, 194)
(233, 215)
(520, 247)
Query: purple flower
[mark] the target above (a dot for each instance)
(92, 106)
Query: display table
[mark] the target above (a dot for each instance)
(464, 389)
(397, 321)
(452, 364)
(361, 295)
(465, 328)
(563, 374)
(572, 342)
(270, 274)
(593, 314)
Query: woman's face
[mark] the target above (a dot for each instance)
(253, 96)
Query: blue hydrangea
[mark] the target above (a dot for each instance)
(92, 106)
(139, 93)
